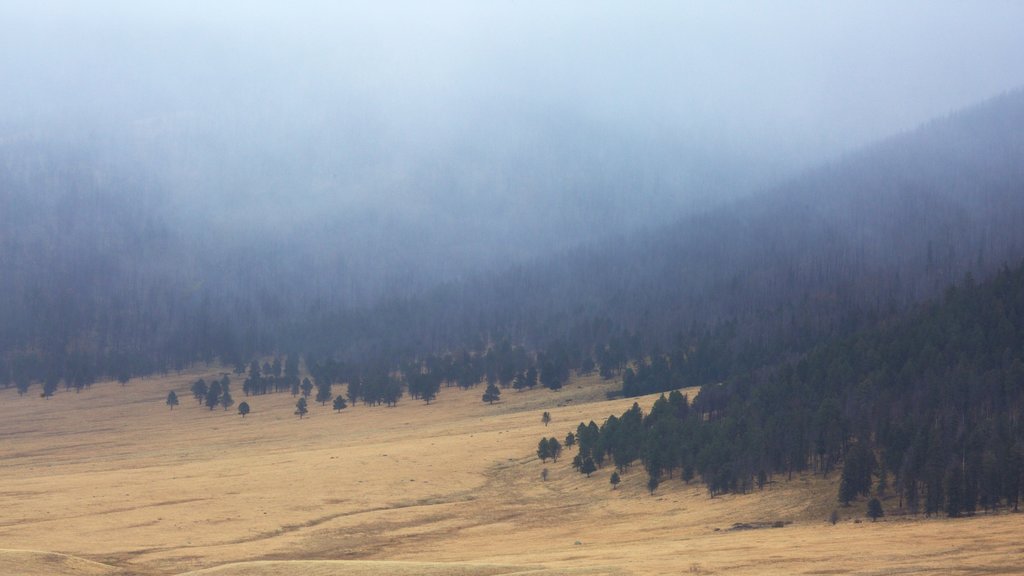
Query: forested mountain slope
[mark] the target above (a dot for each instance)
(97, 286)
(926, 410)
(833, 250)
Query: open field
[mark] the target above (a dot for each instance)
(109, 481)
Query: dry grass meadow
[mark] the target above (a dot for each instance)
(112, 482)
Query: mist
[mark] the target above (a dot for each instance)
(407, 141)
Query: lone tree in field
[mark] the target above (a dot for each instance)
(544, 475)
(492, 394)
(615, 480)
(300, 408)
(570, 439)
(307, 387)
(543, 450)
(172, 399)
(339, 403)
(243, 409)
(546, 418)
(875, 509)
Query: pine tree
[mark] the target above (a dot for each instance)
(546, 418)
(543, 450)
(652, 483)
(199, 390)
(875, 509)
(243, 408)
(301, 408)
(588, 467)
(307, 387)
(554, 449)
(172, 399)
(492, 393)
(226, 401)
(615, 480)
(213, 395)
(323, 392)
(339, 403)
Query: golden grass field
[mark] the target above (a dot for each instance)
(112, 482)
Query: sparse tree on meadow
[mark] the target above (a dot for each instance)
(226, 401)
(301, 408)
(615, 480)
(546, 418)
(554, 449)
(323, 392)
(492, 393)
(243, 409)
(199, 390)
(172, 399)
(570, 440)
(544, 475)
(339, 403)
(213, 395)
(307, 387)
(543, 451)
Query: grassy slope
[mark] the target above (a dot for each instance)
(113, 475)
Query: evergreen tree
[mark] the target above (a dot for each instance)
(226, 401)
(323, 392)
(545, 418)
(491, 394)
(243, 408)
(199, 390)
(172, 399)
(307, 387)
(301, 408)
(570, 440)
(652, 483)
(588, 466)
(213, 395)
(615, 480)
(875, 509)
(543, 450)
(339, 403)
(554, 449)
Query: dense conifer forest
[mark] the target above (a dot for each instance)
(926, 409)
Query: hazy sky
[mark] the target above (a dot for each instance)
(448, 136)
(765, 86)
(801, 74)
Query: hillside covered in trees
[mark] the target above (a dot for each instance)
(926, 409)
(99, 288)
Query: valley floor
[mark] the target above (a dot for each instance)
(110, 481)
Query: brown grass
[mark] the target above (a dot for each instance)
(111, 475)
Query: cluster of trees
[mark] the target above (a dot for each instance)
(215, 394)
(925, 410)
